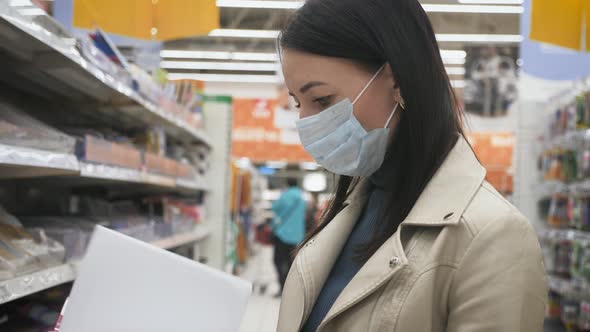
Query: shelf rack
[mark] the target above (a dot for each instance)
(25, 285)
(20, 162)
(43, 63)
(57, 66)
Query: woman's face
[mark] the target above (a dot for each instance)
(318, 82)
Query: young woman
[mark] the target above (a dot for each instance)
(415, 239)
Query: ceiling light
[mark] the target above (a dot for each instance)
(243, 33)
(21, 3)
(455, 70)
(466, 38)
(432, 8)
(259, 4)
(451, 61)
(452, 54)
(492, 2)
(478, 38)
(244, 56)
(237, 66)
(435, 8)
(309, 166)
(458, 84)
(32, 11)
(226, 78)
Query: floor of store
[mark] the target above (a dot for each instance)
(262, 312)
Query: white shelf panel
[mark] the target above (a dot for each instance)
(120, 174)
(24, 162)
(175, 241)
(64, 63)
(35, 282)
(197, 184)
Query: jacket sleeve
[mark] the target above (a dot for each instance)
(500, 285)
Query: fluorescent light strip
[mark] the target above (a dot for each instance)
(226, 78)
(455, 70)
(243, 33)
(478, 38)
(492, 2)
(454, 61)
(255, 56)
(259, 4)
(235, 66)
(432, 8)
(32, 11)
(21, 3)
(466, 38)
(452, 54)
(458, 84)
(244, 56)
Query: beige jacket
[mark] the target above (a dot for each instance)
(464, 260)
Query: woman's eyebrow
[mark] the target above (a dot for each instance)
(310, 85)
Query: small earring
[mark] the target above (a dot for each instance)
(402, 103)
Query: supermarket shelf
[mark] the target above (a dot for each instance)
(38, 281)
(119, 174)
(548, 188)
(35, 282)
(569, 288)
(57, 67)
(182, 239)
(19, 162)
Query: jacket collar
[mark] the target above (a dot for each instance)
(441, 203)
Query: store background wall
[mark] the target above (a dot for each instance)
(547, 70)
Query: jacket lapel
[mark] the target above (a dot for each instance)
(320, 254)
(442, 203)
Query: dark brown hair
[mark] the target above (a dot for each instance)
(398, 32)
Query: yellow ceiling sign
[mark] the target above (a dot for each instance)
(148, 19)
(558, 22)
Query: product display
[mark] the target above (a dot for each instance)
(565, 166)
(89, 138)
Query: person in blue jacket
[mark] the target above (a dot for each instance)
(288, 228)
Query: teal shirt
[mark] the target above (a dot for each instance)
(289, 222)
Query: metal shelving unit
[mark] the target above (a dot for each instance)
(44, 64)
(28, 284)
(18, 162)
(57, 67)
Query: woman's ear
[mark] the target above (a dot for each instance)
(396, 89)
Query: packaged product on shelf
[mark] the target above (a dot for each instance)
(96, 150)
(153, 140)
(553, 309)
(161, 165)
(20, 129)
(584, 320)
(558, 211)
(570, 311)
(72, 232)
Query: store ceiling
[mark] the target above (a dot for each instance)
(456, 23)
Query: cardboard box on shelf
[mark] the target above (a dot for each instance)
(96, 150)
(160, 165)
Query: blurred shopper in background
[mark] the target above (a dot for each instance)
(288, 228)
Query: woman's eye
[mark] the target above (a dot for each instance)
(323, 101)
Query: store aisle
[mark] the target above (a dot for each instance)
(263, 309)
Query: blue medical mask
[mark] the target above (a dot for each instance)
(338, 142)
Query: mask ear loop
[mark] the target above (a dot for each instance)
(368, 84)
(391, 116)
